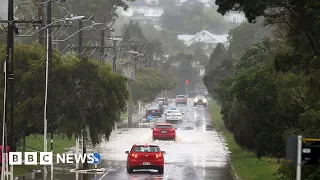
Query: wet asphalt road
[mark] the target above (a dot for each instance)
(197, 154)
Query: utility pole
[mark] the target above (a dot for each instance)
(129, 108)
(80, 38)
(129, 72)
(114, 60)
(40, 5)
(48, 61)
(102, 44)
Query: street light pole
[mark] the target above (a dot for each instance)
(114, 61)
(48, 59)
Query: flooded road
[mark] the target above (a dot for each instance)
(197, 154)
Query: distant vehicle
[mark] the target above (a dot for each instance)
(200, 100)
(145, 157)
(155, 110)
(164, 101)
(164, 131)
(181, 99)
(173, 115)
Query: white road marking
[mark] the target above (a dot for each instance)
(103, 175)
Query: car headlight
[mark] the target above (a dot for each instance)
(196, 100)
(204, 100)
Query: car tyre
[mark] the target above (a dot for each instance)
(205, 105)
(129, 169)
(194, 105)
(160, 170)
(153, 139)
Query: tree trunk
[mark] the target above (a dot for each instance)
(84, 135)
(24, 144)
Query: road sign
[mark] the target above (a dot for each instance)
(310, 151)
(187, 82)
(149, 117)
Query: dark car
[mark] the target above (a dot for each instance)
(181, 99)
(155, 110)
(164, 101)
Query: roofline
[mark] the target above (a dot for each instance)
(211, 35)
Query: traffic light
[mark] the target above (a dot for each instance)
(187, 82)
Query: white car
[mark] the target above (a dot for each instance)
(174, 115)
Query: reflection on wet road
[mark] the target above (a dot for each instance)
(198, 152)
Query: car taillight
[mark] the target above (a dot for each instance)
(185, 98)
(157, 110)
(176, 98)
(134, 155)
(155, 129)
(159, 156)
(172, 129)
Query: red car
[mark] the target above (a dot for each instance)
(164, 131)
(145, 157)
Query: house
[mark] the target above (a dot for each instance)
(205, 3)
(205, 37)
(149, 9)
(236, 17)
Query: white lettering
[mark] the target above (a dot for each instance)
(91, 158)
(61, 158)
(80, 158)
(69, 158)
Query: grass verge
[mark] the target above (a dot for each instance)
(247, 166)
(35, 143)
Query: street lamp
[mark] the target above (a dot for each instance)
(49, 59)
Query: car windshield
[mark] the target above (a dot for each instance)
(163, 126)
(146, 149)
(181, 96)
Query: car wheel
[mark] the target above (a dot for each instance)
(129, 169)
(194, 104)
(160, 170)
(153, 139)
(205, 105)
(174, 139)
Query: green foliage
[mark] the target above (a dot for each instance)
(148, 84)
(272, 87)
(242, 37)
(134, 39)
(169, 41)
(82, 93)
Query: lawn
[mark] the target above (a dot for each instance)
(247, 166)
(35, 143)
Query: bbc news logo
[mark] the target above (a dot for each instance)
(46, 158)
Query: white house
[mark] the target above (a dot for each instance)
(236, 17)
(148, 8)
(210, 40)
